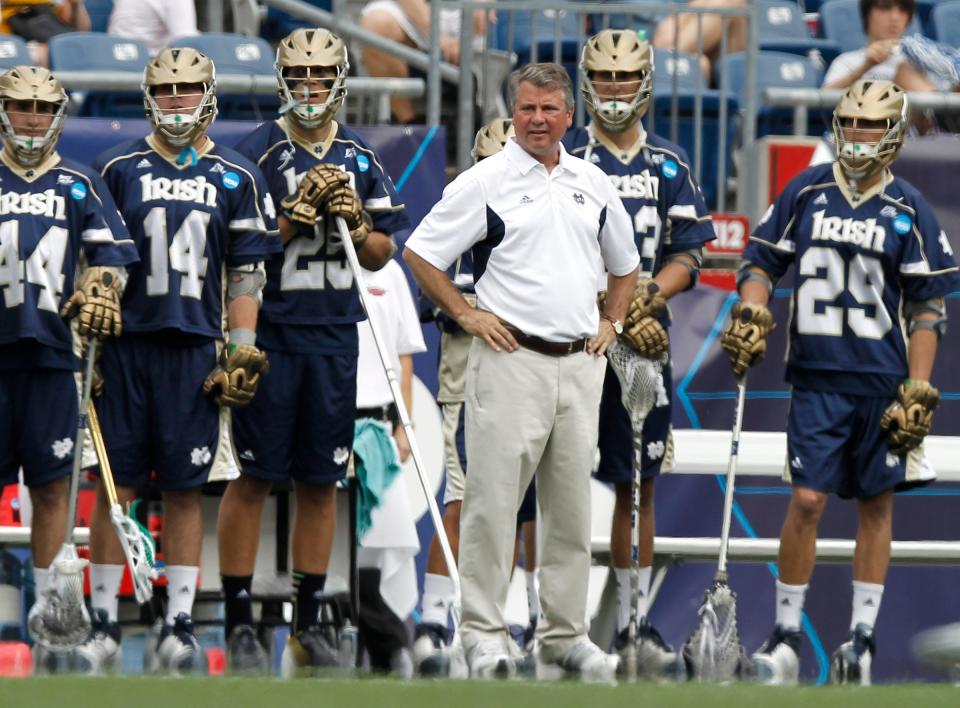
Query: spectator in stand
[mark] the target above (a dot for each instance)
(679, 32)
(39, 20)
(155, 22)
(408, 22)
(884, 22)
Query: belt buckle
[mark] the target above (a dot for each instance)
(570, 347)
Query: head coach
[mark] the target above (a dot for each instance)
(541, 224)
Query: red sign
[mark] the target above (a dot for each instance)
(733, 231)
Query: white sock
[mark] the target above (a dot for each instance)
(866, 603)
(437, 598)
(533, 595)
(181, 589)
(790, 605)
(104, 585)
(41, 580)
(643, 603)
(623, 598)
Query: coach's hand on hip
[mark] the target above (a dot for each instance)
(489, 328)
(605, 336)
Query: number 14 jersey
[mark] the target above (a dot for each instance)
(189, 223)
(857, 262)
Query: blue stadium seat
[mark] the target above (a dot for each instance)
(945, 22)
(540, 28)
(774, 69)
(237, 54)
(781, 29)
(840, 21)
(99, 11)
(685, 70)
(96, 51)
(13, 51)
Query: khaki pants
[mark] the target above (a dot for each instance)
(528, 413)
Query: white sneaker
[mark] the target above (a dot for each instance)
(178, 651)
(852, 660)
(777, 662)
(101, 654)
(488, 659)
(584, 660)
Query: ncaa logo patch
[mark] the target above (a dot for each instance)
(902, 224)
(670, 169)
(78, 191)
(231, 180)
(363, 163)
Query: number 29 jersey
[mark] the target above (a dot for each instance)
(190, 222)
(311, 283)
(856, 264)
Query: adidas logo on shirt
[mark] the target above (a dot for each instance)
(822, 199)
(526, 200)
(144, 164)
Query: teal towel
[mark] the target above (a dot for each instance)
(376, 465)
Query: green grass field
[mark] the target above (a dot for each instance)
(72, 692)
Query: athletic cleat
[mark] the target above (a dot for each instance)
(777, 662)
(430, 654)
(401, 664)
(245, 655)
(584, 660)
(47, 662)
(488, 659)
(178, 651)
(308, 654)
(851, 661)
(656, 658)
(101, 654)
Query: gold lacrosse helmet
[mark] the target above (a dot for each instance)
(311, 63)
(876, 111)
(617, 52)
(177, 67)
(31, 83)
(491, 138)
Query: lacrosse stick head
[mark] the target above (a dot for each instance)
(713, 652)
(641, 381)
(140, 550)
(59, 620)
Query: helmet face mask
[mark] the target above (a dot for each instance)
(869, 127)
(617, 78)
(312, 68)
(32, 107)
(491, 138)
(179, 94)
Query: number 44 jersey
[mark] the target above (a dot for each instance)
(189, 222)
(857, 262)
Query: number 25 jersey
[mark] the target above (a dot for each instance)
(856, 264)
(189, 222)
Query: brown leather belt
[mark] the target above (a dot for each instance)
(544, 347)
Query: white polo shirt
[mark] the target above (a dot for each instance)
(539, 239)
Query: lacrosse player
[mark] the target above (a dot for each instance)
(671, 224)
(63, 248)
(301, 425)
(195, 210)
(431, 635)
(872, 269)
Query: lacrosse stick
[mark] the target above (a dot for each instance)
(59, 620)
(713, 652)
(138, 545)
(435, 517)
(641, 388)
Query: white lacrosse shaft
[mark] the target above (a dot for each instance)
(731, 477)
(81, 439)
(404, 415)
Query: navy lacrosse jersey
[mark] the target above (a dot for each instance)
(311, 283)
(655, 185)
(48, 217)
(188, 222)
(856, 263)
